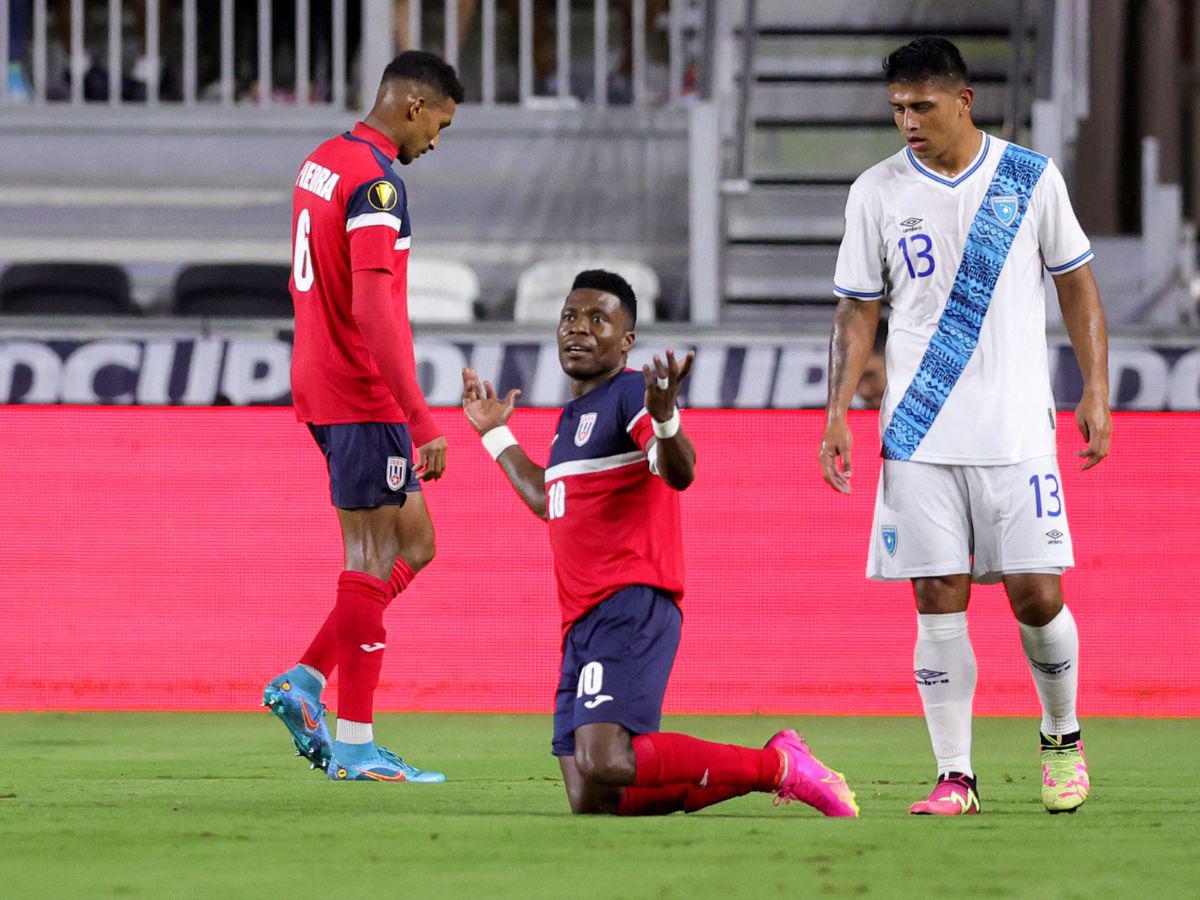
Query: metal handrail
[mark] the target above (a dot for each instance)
(749, 45)
(681, 23)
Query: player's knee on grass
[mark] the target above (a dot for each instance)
(589, 799)
(942, 594)
(604, 755)
(1035, 599)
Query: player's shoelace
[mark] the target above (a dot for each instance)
(1060, 768)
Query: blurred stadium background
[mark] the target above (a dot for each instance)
(704, 150)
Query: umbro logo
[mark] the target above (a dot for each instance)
(371, 648)
(931, 676)
(1055, 536)
(1057, 668)
(912, 223)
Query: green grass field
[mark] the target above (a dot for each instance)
(214, 805)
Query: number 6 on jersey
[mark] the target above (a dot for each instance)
(302, 269)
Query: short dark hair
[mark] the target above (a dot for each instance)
(609, 283)
(429, 69)
(925, 59)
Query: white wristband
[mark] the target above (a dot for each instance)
(667, 429)
(497, 440)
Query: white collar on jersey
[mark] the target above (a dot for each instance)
(967, 173)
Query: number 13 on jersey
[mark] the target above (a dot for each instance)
(920, 262)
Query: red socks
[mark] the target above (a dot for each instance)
(401, 575)
(660, 801)
(673, 759)
(322, 653)
(361, 639)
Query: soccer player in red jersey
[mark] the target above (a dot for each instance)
(610, 497)
(354, 383)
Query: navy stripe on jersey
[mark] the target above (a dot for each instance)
(596, 426)
(381, 201)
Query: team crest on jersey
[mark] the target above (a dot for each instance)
(587, 422)
(397, 472)
(889, 539)
(1005, 208)
(382, 195)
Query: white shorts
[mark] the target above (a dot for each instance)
(986, 520)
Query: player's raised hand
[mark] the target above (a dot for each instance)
(431, 459)
(1095, 424)
(663, 381)
(484, 409)
(835, 443)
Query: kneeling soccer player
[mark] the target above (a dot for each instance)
(610, 497)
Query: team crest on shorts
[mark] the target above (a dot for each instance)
(397, 472)
(1005, 208)
(889, 539)
(587, 422)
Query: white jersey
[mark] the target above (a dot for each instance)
(960, 261)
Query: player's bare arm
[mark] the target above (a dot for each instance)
(487, 412)
(676, 456)
(1083, 315)
(854, 327)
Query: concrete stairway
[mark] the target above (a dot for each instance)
(818, 116)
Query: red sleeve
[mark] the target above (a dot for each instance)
(372, 248)
(390, 343)
(641, 428)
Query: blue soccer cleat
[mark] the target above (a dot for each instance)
(366, 762)
(291, 700)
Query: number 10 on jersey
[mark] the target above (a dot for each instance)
(556, 500)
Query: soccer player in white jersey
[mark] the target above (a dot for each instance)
(954, 231)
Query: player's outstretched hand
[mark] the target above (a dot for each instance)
(835, 443)
(663, 381)
(431, 459)
(1095, 424)
(484, 409)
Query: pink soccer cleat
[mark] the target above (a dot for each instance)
(807, 779)
(954, 795)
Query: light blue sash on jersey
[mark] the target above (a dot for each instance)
(987, 246)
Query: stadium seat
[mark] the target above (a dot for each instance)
(66, 288)
(441, 291)
(542, 287)
(236, 289)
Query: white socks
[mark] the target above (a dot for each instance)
(349, 732)
(944, 665)
(1053, 654)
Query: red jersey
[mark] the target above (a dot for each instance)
(613, 522)
(349, 212)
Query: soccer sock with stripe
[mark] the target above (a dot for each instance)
(322, 654)
(1053, 654)
(944, 665)
(672, 759)
(361, 638)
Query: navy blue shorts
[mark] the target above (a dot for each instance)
(370, 463)
(616, 662)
